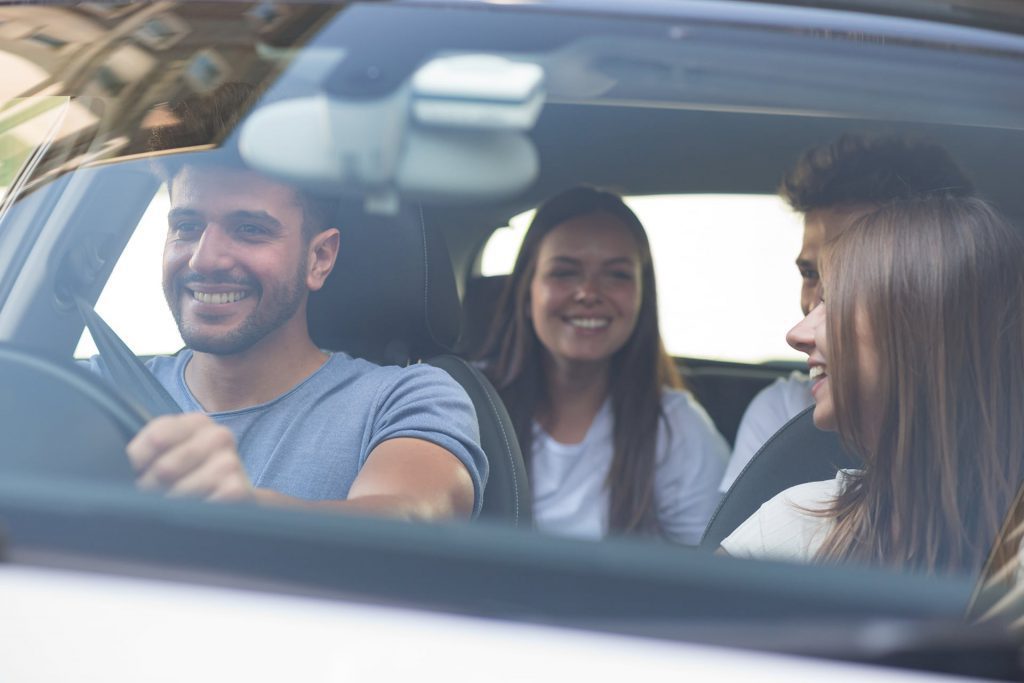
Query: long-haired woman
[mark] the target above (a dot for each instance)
(613, 443)
(917, 352)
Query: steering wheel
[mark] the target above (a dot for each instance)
(58, 420)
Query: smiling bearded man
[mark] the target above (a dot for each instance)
(268, 416)
(226, 299)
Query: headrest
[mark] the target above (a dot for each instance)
(391, 297)
(479, 304)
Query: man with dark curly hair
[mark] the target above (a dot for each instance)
(832, 186)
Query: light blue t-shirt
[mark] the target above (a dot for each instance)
(311, 441)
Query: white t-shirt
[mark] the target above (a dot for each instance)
(774, 406)
(570, 496)
(785, 528)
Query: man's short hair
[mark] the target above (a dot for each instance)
(862, 169)
(210, 119)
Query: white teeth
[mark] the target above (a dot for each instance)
(589, 323)
(816, 372)
(218, 297)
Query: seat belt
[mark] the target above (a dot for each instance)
(128, 373)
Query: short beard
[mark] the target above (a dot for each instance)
(272, 313)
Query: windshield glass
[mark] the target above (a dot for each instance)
(732, 285)
(28, 126)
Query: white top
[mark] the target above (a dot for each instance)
(785, 528)
(774, 406)
(570, 496)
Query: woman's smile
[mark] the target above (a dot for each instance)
(585, 293)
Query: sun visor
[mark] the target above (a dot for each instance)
(455, 132)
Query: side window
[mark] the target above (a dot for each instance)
(132, 302)
(727, 286)
(29, 123)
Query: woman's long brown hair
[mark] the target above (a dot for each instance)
(639, 369)
(937, 285)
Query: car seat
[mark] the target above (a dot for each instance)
(479, 303)
(798, 453)
(392, 299)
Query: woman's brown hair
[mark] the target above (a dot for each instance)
(639, 369)
(937, 285)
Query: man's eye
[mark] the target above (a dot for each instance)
(251, 230)
(186, 228)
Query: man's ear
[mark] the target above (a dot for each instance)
(322, 255)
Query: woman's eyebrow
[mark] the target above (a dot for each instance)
(565, 259)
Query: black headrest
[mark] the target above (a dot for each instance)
(391, 297)
(479, 303)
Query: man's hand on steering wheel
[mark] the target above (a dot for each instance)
(188, 454)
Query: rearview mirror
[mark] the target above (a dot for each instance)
(455, 132)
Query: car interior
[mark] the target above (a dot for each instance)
(645, 106)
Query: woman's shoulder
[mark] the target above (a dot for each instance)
(680, 408)
(686, 431)
(812, 495)
(790, 526)
(680, 401)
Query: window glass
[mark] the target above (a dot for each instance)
(132, 302)
(26, 124)
(716, 300)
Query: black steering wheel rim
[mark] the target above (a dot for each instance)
(61, 420)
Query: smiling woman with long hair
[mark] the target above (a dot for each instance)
(613, 443)
(917, 351)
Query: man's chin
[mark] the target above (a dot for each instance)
(214, 347)
(224, 344)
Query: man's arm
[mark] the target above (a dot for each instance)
(404, 478)
(407, 478)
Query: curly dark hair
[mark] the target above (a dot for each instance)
(864, 169)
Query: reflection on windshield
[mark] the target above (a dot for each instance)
(28, 124)
(112, 66)
(1000, 592)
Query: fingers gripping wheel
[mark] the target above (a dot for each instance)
(60, 421)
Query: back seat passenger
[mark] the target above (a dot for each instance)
(724, 389)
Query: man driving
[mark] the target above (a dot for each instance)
(269, 417)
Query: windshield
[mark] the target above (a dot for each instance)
(611, 276)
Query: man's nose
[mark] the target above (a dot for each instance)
(212, 251)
